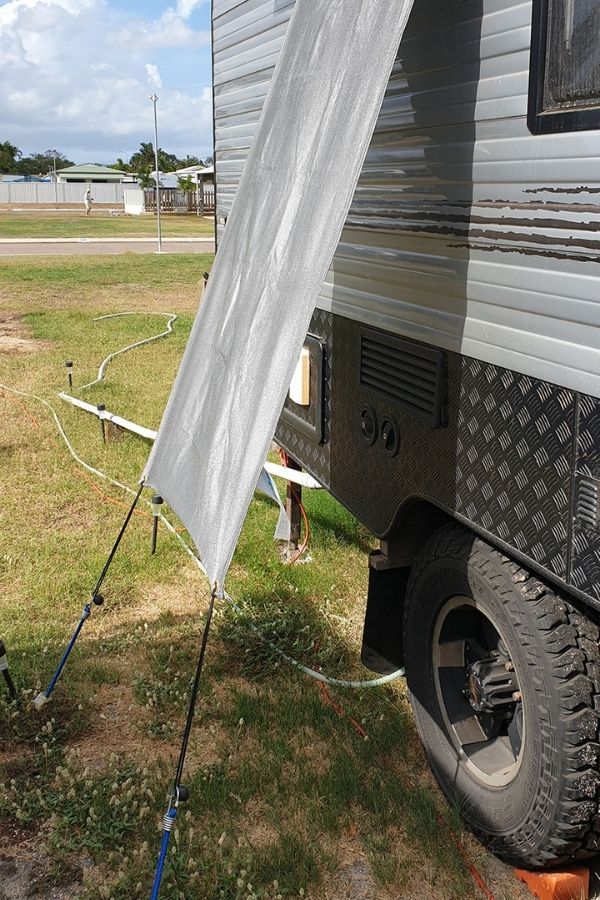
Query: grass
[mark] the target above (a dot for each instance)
(75, 224)
(288, 798)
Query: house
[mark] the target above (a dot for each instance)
(200, 174)
(21, 179)
(90, 173)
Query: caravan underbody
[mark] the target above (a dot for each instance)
(454, 401)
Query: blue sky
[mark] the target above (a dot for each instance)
(76, 75)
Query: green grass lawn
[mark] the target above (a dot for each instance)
(288, 797)
(100, 224)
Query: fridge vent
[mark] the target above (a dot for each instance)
(409, 374)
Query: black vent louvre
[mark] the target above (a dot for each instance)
(587, 511)
(410, 375)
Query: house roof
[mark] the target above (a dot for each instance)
(90, 169)
(188, 170)
(194, 170)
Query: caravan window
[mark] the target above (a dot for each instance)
(565, 66)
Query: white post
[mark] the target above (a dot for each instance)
(154, 100)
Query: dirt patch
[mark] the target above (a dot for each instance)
(15, 337)
(13, 835)
(22, 878)
(119, 725)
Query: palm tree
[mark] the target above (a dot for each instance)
(142, 158)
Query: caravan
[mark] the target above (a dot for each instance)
(454, 391)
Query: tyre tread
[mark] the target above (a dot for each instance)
(570, 641)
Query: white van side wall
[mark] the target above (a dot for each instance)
(466, 232)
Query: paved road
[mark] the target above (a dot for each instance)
(71, 246)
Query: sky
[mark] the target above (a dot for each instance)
(76, 75)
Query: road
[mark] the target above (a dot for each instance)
(86, 247)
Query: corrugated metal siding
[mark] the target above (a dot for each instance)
(41, 192)
(466, 231)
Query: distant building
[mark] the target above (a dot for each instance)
(90, 174)
(21, 179)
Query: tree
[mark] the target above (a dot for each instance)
(167, 162)
(42, 163)
(142, 158)
(189, 161)
(9, 155)
(187, 183)
(144, 177)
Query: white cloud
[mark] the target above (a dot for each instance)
(171, 29)
(185, 8)
(153, 75)
(67, 83)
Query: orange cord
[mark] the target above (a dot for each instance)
(471, 867)
(329, 701)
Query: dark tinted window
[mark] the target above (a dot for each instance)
(564, 88)
(572, 77)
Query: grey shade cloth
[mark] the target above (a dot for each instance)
(284, 226)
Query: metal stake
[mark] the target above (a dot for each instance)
(101, 408)
(157, 502)
(69, 368)
(4, 669)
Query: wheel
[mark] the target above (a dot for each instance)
(504, 680)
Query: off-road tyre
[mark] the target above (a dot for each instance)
(549, 813)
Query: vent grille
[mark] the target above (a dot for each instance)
(410, 375)
(587, 511)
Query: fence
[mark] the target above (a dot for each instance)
(177, 200)
(50, 194)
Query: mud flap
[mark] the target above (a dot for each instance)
(382, 649)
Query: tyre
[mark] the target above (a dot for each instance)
(504, 680)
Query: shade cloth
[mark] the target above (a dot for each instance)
(285, 222)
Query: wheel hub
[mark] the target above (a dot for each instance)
(491, 685)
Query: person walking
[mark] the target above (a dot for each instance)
(88, 200)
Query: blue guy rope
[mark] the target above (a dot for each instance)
(97, 600)
(179, 793)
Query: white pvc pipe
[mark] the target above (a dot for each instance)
(105, 414)
(301, 478)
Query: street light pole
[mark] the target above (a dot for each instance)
(55, 181)
(154, 99)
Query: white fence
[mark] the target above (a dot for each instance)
(40, 192)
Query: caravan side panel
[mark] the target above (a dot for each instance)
(466, 231)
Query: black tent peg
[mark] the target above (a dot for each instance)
(5, 672)
(101, 408)
(69, 368)
(157, 502)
